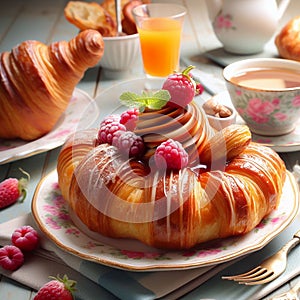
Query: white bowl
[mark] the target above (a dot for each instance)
(219, 123)
(120, 54)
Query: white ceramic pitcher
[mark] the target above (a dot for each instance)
(245, 26)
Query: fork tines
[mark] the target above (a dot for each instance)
(258, 275)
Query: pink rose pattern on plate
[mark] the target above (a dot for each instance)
(56, 216)
(56, 212)
(269, 220)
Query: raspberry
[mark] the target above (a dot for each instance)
(11, 257)
(199, 88)
(171, 154)
(12, 189)
(26, 238)
(58, 288)
(182, 88)
(129, 118)
(108, 133)
(131, 145)
(110, 119)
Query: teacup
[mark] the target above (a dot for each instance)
(266, 93)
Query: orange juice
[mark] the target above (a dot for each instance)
(160, 45)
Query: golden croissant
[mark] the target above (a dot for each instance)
(230, 186)
(37, 82)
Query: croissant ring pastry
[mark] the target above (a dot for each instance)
(37, 82)
(228, 185)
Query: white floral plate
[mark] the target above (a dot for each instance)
(81, 104)
(52, 216)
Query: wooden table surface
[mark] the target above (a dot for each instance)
(44, 21)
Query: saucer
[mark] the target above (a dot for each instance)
(284, 143)
(224, 58)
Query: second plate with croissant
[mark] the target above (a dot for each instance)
(38, 83)
(81, 104)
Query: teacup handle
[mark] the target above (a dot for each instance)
(282, 6)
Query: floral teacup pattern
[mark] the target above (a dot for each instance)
(267, 113)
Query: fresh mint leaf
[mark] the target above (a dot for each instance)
(152, 100)
(130, 99)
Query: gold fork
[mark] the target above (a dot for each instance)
(270, 268)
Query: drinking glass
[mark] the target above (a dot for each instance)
(160, 26)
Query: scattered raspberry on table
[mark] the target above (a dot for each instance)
(13, 189)
(26, 238)
(11, 257)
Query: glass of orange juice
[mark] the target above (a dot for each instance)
(160, 26)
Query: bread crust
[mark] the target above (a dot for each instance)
(102, 17)
(90, 15)
(288, 40)
(37, 82)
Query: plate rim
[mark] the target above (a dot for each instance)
(16, 155)
(160, 267)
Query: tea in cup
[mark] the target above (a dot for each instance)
(266, 93)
